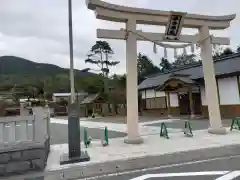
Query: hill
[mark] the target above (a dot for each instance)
(23, 73)
(11, 65)
(27, 76)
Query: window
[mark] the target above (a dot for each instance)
(161, 102)
(143, 104)
(148, 103)
(98, 106)
(156, 103)
(153, 103)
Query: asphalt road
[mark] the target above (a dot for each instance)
(59, 133)
(211, 169)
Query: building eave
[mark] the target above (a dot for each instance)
(216, 60)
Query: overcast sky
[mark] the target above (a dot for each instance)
(38, 29)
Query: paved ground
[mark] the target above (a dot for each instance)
(120, 119)
(59, 133)
(103, 160)
(197, 170)
(117, 128)
(196, 124)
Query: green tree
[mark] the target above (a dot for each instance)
(119, 81)
(220, 51)
(165, 65)
(227, 51)
(238, 49)
(99, 55)
(90, 84)
(57, 83)
(117, 95)
(145, 67)
(182, 60)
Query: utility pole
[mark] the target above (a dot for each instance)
(74, 142)
(71, 72)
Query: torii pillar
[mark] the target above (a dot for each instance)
(210, 82)
(133, 136)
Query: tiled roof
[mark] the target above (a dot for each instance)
(225, 65)
(90, 98)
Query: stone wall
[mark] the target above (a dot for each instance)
(24, 157)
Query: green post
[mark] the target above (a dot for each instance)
(85, 137)
(163, 131)
(188, 129)
(105, 141)
(87, 140)
(106, 135)
(235, 123)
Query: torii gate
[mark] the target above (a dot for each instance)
(174, 21)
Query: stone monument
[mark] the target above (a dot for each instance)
(74, 143)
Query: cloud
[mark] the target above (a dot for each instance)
(38, 30)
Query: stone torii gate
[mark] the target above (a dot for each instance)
(174, 22)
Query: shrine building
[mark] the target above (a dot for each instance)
(182, 91)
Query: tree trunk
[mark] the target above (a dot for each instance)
(106, 85)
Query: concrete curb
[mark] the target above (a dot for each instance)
(150, 161)
(114, 167)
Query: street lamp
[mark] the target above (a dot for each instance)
(74, 142)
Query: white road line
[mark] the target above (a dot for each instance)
(230, 176)
(162, 167)
(204, 173)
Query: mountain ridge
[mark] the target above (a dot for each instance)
(13, 65)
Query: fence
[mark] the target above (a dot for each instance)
(33, 128)
(24, 142)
